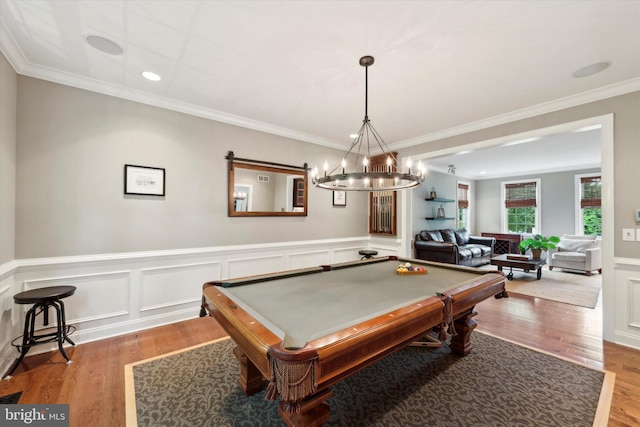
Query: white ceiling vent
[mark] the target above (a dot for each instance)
(263, 178)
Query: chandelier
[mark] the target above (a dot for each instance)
(362, 176)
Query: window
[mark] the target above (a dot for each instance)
(462, 218)
(521, 206)
(590, 210)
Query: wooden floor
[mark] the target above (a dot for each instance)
(93, 384)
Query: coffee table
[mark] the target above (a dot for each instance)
(527, 265)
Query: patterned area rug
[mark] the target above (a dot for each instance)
(498, 384)
(557, 285)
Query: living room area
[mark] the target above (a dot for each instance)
(509, 191)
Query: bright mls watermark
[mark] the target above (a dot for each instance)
(34, 415)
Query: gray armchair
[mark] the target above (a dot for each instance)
(579, 253)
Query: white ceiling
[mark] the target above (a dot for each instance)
(578, 148)
(291, 67)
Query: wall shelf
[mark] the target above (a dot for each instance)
(440, 200)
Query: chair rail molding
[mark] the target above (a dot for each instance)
(126, 292)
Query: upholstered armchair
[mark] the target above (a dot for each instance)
(579, 253)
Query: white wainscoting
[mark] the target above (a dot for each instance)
(627, 302)
(122, 293)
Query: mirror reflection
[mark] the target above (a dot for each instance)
(262, 190)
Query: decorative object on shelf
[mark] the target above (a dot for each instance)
(144, 180)
(538, 244)
(363, 178)
(433, 195)
(439, 213)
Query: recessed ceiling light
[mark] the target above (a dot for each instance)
(459, 153)
(104, 45)
(592, 69)
(149, 75)
(353, 135)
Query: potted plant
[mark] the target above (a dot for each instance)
(538, 244)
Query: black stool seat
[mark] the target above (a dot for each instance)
(43, 299)
(367, 253)
(43, 294)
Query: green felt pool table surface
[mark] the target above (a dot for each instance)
(304, 307)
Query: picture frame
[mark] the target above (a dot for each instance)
(144, 180)
(339, 198)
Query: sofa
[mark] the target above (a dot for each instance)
(454, 247)
(577, 253)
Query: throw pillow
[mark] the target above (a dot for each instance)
(448, 236)
(435, 236)
(462, 236)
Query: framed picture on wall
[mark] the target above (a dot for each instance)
(339, 198)
(144, 180)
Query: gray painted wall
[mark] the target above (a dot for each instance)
(72, 145)
(445, 186)
(626, 111)
(557, 194)
(8, 99)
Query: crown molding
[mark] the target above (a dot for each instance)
(92, 85)
(10, 49)
(628, 86)
(17, 59)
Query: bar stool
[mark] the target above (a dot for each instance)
(42, 299)
(367, 254)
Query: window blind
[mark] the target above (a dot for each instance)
(591, 194)
(520, 195)
(463, 196)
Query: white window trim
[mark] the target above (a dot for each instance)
(578, 196)
(503, 217)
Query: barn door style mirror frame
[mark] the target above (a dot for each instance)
(259, 188)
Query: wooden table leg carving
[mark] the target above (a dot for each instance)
(461, 343)
(314, 411)
(251, 380)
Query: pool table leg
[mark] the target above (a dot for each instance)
(251, 380)
(314, 411)
(461, 343)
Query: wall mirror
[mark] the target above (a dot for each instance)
(258, 188)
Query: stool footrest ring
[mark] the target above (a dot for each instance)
(44, 338)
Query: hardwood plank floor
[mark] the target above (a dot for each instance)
(93, 384)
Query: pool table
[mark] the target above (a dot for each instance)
(299, 332)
